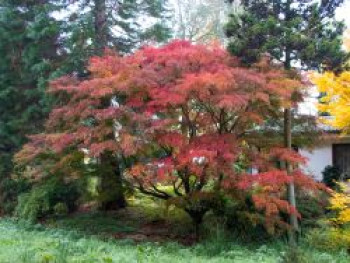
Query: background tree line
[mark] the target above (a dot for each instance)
(43, 40)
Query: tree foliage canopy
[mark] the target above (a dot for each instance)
(183, 113)
(29, 39)
(292, 31)
(334, 101)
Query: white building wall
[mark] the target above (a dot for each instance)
(317, 159)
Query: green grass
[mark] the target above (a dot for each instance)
(95, 223)
(22, 243)
(126, 220)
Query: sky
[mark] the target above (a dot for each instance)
(343, 13)
(309, 106)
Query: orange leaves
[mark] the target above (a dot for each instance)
(185, 113)
(268, 190)
(272, 206)
(97, 148)
(42, 143)
(286, 155)
(306, 182)
(27, 154)
(271, 181)
(209, 82)
(128, 144)
(152, 173)
(172, 139)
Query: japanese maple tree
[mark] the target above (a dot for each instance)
(183, 114)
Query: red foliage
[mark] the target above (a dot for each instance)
(185, 111)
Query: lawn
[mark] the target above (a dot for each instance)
(58, 242)
(19, 243)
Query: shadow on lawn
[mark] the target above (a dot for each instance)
(132, 223)
(154, 225)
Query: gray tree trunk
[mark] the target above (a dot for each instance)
(291, 190)
(288, 141)
(101, 26)
(110, 181)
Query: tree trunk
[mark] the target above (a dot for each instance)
(288, 137)
(291, 191)
(197, 219)
(110, 188)
(111, 192)
(101, 26)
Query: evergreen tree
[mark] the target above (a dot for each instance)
(93, 25)
(41, 40)
(294, 32)
(28, 54)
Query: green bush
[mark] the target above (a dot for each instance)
(49, 198)
(60, 209)
(10, 189)
(331, 174)
(329, 238)
(311, 206)
(33, 205)
(294, 255)
(242, 218)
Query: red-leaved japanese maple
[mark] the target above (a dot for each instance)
(186, 114)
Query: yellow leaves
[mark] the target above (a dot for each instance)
(347, 40)
(340, 202)
(336, 98)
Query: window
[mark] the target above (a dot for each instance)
(341, 158)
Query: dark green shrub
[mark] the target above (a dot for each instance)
(12, 189)
(331, 174)
(311, 206)
(43, 200)
(242, 218)
(33, 205)
(294, 255)
(329, 238)
(60, 209)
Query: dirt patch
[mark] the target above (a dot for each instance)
(157, 231)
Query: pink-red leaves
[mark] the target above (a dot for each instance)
(184, 112)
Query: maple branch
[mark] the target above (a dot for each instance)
(235, 123)
(202, 179)
(194, 184)
(168, 150)
(176, 189)
(160, 191)
(154, 194)
(221, 177)
(185, 181)
(211, 111)
(159, 194)
(222, 121)
(192, 129)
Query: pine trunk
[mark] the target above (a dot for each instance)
(101, 27)
(291, 191)
(110, 185)
(110, 188)
(293, 220)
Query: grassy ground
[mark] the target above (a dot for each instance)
(144, 232)
(19, 243)
(123, 237)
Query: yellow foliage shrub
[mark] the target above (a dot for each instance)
(336, 99)
(340, 203)
(335, 234)
(336, 95)
(330, 239)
